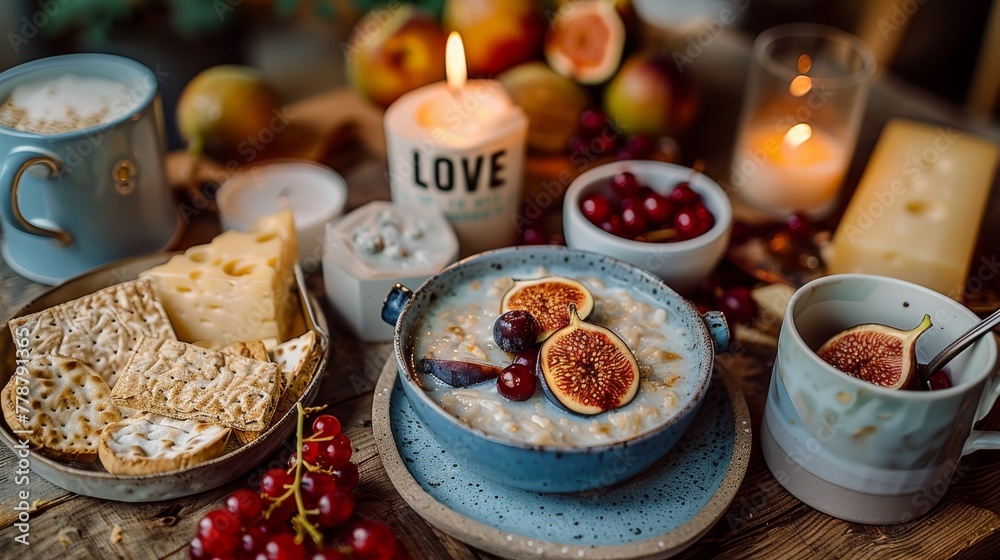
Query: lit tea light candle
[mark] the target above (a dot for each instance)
(798, 169)
(459, 145)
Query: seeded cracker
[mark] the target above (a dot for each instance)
(184, 381)
(98, 329)
(68, 406)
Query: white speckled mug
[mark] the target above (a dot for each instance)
(858, 451)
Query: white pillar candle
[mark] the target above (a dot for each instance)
(315, 194)
(459, 146)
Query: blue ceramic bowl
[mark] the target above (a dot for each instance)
(552, 468)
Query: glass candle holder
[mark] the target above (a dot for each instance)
(804, 101)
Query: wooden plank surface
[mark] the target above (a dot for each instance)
(764, 521)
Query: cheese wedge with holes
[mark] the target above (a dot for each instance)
(237, 287)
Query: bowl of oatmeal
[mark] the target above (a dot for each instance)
(535, 444)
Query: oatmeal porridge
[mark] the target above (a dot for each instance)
(461, 328)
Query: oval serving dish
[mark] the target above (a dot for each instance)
(554, 468)
(90, 479)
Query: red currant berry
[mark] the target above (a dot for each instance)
(284, 547)
(596, 208)
(274, 483)
(370, 540)
(635, 221)
(252, 540)
(310, 451)
(737, 304)
(516, 383)
(625, 184)
(314, 484)
(346, 477)
(614, 226)
(336, 453)
(326, 425)
(335, 507)
(281, 513)
(245, 505)
(196, 550)
(527, 358)
(683, 194)
(218, 522)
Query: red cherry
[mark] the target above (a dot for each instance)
(685, 224)
(658, 209)
(310, 451)
(683, 194)
(596, 208)
(346, 477)
(527, 358)
(284, 547)
(634, 201)
(635, 221)
(704, 218)
(326, 425)
(940, 380)
(533, 235)
(274, 483)
(516, 382)
(371, 540)
(625, 184)
(337, 452)
(614, 226)
(737, 304)
(335, 507)
(245, 504)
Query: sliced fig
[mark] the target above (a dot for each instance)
(547, 300)
(458, 373)
(879, 354)
(586, 368)
(586, 41)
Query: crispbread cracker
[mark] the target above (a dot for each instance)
(151, 443)
(184, 381)
(294, 358)
(68, 406)
(98, 329)
(253, 349)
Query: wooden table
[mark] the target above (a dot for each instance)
(763, 520)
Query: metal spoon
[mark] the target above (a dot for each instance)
(956, 348)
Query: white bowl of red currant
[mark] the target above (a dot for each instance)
(665, 218)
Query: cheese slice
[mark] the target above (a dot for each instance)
(237, 287)
(918, 207)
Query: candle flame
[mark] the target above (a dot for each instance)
(800, 86)
(454, 62)
(805, 63)
(797, 134)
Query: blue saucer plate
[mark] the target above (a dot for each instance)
(656, 514)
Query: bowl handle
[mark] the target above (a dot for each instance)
(718, 330)
(394, 302)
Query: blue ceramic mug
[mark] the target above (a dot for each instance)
(74, 200)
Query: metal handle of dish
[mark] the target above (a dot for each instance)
(718, 330)
(11, 173)
(394, 302)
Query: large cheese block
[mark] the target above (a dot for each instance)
(918, 207)
(235, 288)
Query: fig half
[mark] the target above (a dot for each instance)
(548, 300)
(879, 354)
(457, 373)
(586, 368)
